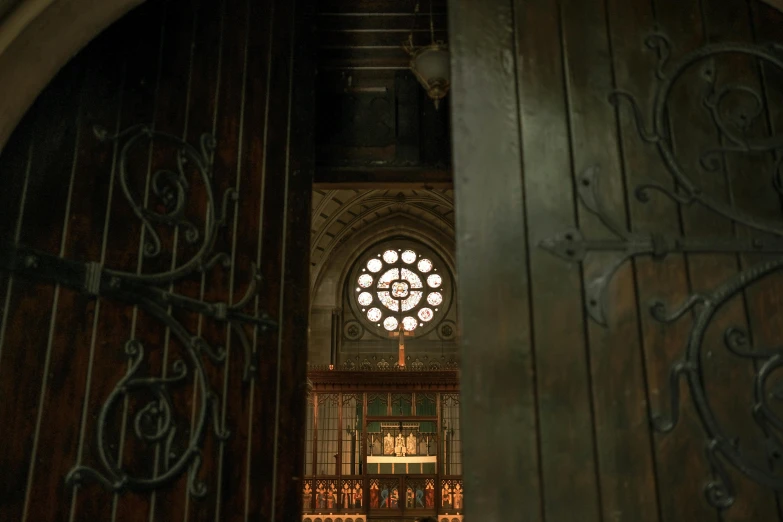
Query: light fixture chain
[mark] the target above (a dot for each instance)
(432, 26)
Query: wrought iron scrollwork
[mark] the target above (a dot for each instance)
(154, 422)
(732, 125)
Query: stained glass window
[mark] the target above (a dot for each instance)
(411, 302)
(409, 323)
(390, 256)
(425, 314)
(388, 301)
(365, 298)
(388, 277)
(400, 289)
(404, 286)
(412, 278)
(374, 265)
(390, 323)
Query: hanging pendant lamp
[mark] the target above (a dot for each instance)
(430, 64)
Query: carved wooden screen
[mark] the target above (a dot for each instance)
(618, 168)
(154, 225)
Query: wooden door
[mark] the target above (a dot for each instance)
(155, 221)
(617, 180)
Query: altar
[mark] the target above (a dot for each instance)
(412, 465)
(379, 450)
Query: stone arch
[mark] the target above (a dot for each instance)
(37, 38)
(338, 266)
(329, 282)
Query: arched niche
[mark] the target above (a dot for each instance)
(328, 285)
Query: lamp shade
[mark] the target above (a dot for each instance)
(431, 66)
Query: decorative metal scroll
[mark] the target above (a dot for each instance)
(732, 126)
(154, 424)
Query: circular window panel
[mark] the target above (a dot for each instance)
(401, 284)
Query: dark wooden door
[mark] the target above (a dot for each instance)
(618, 195)
(154, 225)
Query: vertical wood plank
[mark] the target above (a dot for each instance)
(626, 474)
(497, 354)
(679, 455)
(107, 362)
(15, 166)
(749, 192)
(693, 133)
(295, 305)
(272, 237)
(225, 22)
(567, 437)
(72, 330)
(171, 114)
(245, 105)
(45, 214)
(766, 22)
(203, 33)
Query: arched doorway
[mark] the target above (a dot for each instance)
(532, 121)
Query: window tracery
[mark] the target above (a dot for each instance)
(397, 284)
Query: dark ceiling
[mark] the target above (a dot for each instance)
(375, 124)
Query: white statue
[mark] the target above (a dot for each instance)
(411, 444)
(388, 444)
(399, 448)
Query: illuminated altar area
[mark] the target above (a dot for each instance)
(382, 445)
(383, 434)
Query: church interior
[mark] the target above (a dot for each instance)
(391, 260)
(383, 427)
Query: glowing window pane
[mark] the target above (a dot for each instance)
(411, 301)
(399, 289)
(365, 298)
(425, 265)
(409, 323)
(412, 278)
(365, 280)
(374, 265)
(390, 323)
(425, 314)
(388, 301)
(409, 256)
(434, 280)
(390, 256)
(374, 314)
(435, 298)
(388, 277)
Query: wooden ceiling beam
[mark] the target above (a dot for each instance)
(337, 178)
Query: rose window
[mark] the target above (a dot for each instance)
(401, 287)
